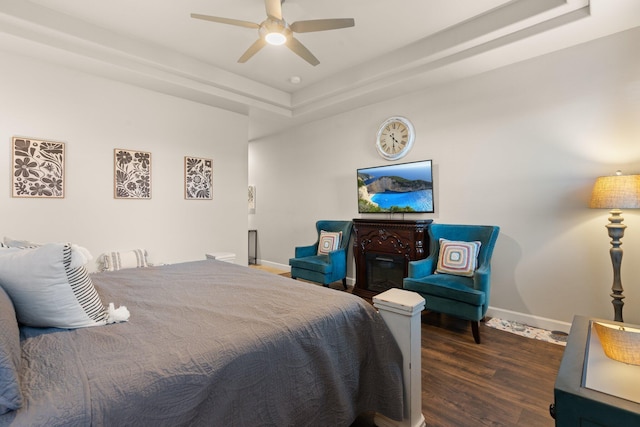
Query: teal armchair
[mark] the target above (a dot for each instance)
(325, 269)
(456, 295)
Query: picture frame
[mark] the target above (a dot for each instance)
(132, 174)
(198, 178)
(38, 168)
(252, 198)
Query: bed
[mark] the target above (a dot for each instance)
(215, 344)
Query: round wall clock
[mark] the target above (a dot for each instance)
(395, 138)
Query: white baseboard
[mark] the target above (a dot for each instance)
(529, 319)
(283, 267)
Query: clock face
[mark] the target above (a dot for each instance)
(395, 138)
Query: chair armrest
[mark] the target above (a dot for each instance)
(339, 255)
(338, 259)
(421, 267)
(304, 251)
(481, 278)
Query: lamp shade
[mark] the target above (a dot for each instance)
(616, 192)
(619, 343)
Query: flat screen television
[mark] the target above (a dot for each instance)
(403, 187)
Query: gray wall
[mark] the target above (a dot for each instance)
(94, 116)
(519, 147)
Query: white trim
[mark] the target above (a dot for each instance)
(529, 319)
(276, 265)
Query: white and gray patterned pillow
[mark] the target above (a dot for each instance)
(113, 261)
(22, 244)
(50, 287)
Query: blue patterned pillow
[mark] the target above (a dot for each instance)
(458, 258)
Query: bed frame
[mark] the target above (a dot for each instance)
(401, 311)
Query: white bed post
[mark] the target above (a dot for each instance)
(401, 310)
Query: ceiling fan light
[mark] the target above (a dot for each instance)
(275, 38)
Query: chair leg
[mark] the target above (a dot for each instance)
(344, 283)
(475, 329)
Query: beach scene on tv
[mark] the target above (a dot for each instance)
(406, 187)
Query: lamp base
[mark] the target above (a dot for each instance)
(616, 232)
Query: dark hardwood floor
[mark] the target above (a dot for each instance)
(507, 380)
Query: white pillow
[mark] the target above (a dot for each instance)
(113, 261)
(79, 255)
(49, 288)
(22, 244)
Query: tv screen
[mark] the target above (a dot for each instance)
(404, 187)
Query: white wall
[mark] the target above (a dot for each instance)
(94, 116)
(519, 147)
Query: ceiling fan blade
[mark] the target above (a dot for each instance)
(321, 25)
(304, 53)
(229, 21)
(274, 8)
(253, 49)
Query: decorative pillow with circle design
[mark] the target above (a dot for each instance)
(329, 241)
(457, 258)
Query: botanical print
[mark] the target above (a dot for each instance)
(38, 168)
(198, 178)
(132, 176)
(252, 197)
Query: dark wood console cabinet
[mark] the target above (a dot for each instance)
(382, 251)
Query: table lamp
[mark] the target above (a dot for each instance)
(616, 192)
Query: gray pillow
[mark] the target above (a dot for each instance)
(10, 356)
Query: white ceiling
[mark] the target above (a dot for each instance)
(395, 47)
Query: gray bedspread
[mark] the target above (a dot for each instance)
(211, 343)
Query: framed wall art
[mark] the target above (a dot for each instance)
(132, 174)
(252, 198)
(198, 178)
(38, 168)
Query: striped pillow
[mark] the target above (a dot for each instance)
(113, 261)
(458, 258)
(329, 241)
(51, 288)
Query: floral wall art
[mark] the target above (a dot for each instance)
(38, 168)
(252, 198)
(198, 178)
(132, 174)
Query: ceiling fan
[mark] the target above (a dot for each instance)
(275, 30)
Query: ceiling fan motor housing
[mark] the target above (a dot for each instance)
(277, 26)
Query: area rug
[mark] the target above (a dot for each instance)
(555, 337)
